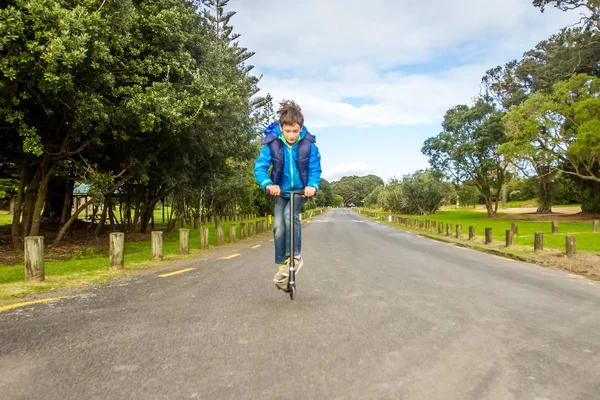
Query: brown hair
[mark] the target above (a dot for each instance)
(290, 113)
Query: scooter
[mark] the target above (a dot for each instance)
(291, 286)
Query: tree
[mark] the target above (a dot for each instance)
(466, 149)
(591, 20)
(562, 127)
(423, 193)
(325, 196)
(354, 189)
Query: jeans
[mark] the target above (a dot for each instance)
(281, 227)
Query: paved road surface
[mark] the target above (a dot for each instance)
(380, 314)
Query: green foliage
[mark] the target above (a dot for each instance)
(422, 193)
(355, 189)
(466, 149)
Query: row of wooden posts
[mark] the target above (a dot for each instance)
(433, 226)
(34, 245)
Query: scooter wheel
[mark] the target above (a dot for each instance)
(292, 292)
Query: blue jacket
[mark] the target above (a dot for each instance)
(290, 177)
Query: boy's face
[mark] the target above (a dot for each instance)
(291, 133)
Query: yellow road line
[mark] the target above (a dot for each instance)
(230, 257)
(176, 272)
(16, 305)
(256, 247)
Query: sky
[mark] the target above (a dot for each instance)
(374, 79)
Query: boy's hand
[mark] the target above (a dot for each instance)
(273, 190)
(309, 191)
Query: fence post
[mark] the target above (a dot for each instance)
(220, 235)
(488, 235)
(157, 245)
(184, 241)
(242, 230)
(116, 247)
(258, 227)
(204, 237)
(471, 232)
(34, 259)
(595, 225)
(264, 226)
(538, 244)
(554, 227)
(440, 228)
(250, 229)
(458, 231)
(515, 229)
(571, 246)
(448, 229)
(232, 229)
(509, 237)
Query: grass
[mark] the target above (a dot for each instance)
(586, 240)
(5, 218)
(87, 267)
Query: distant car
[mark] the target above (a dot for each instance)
(351, 205)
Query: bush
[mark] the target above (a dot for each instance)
(515, 195)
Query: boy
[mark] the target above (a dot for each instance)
(296, 161)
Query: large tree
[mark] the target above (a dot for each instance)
(563, 127)
(466, 149)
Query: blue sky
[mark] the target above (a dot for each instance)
(374, 82)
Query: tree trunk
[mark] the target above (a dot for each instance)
(67, 225)
(67, 203)
(545, 192)
(504, 196)
(16, 223)
(491, 210)
(46, 174)
(27, 212)
(102, 219)
(147, 213)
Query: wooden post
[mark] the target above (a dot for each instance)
(184, 241)
(458, 231)
(264, 226)
(204, 237)
(428, 225)
(554, 227)
(441, 228)
(242, 230)
(220, 235)
(471, 232)
(250, 229)
(595, 225)
(488, 235)
(509, 237)
(433, 226)
(515, 229)
(34, 259)
(571, 246)
(448, 229)
(258, 227)
(157, 245)
(538, 244)
(117, 254)
(232, 229)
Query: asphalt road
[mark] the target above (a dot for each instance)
(380, 314)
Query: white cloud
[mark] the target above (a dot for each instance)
(359, 168)
(320, 52)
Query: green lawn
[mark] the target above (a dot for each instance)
(5, 218)
(586, 239)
